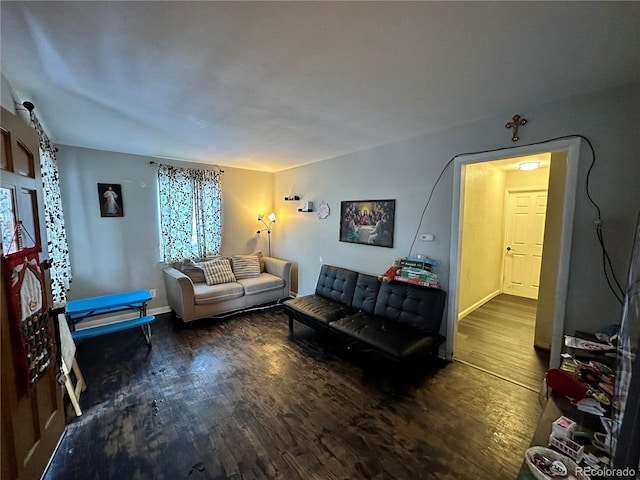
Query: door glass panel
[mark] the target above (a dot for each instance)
(5, 142)
(28, 206)
(23, 160)
(8, 219)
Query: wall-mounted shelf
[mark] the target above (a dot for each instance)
(306, 207)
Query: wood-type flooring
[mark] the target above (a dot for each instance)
(498, 337)
(241, 399)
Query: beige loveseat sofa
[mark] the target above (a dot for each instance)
(194, 300)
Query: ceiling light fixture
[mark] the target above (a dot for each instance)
(528, 165)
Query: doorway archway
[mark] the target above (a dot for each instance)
(555, 263)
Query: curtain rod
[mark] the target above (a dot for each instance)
(156, 163)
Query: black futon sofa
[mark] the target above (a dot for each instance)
(397, 320)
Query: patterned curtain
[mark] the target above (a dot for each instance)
(58, 248)
(190, 212)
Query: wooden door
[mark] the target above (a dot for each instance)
(526, 212)
(31, 424)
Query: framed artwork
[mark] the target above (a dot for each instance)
(369, 222)
(110, 200)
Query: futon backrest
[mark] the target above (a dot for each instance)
(367, 289)
(337, 284)
(414, 305)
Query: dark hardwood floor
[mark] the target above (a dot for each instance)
(241, 399)
(498, 337)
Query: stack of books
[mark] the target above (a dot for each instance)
(418, 271)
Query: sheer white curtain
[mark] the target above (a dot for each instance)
(190, 212)
(58, 248)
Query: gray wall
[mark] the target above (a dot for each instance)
(407, 170)
(7, 95)
(114, 254)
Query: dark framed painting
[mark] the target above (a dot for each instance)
(369, 222)
(110, 198)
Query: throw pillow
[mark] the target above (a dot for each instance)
(218, 271)
(246, 266)
(260, 259)
(192, 270)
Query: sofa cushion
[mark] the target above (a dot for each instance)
(204, 294)
(399, 341)
(364, 297)
(320, 309)
(245, 266)
(413, 305)
(218, 271)
(337, 284)
(260, 256)
(263, 283)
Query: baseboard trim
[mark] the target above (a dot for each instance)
(159, 310)
(477, 305)
(542, 346)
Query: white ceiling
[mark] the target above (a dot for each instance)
(271, 85)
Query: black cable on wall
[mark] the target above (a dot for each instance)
(607, 267)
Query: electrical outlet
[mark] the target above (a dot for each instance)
(152, 292)
(426, 237)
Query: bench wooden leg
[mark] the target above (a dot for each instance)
(81, 386)
(74, 392)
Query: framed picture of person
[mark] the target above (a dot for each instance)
(110, 200)
(369, 222)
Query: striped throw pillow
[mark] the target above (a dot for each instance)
(246, 266)
(260, 259)
(218, 271)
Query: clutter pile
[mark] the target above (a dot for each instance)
(586, 378)
(417, 270)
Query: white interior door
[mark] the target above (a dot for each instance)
(526, 213)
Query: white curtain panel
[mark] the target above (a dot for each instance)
(190, 212)
(58, 248)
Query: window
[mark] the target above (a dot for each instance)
(190, 212)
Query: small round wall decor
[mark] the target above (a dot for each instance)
(323, 210)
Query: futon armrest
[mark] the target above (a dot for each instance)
(180, 293)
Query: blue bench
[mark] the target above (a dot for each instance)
(111, 327)
(78, 310)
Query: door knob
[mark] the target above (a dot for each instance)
(508, 249)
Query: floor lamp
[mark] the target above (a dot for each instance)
(272, 219)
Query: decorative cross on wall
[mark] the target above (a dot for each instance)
(517, 121)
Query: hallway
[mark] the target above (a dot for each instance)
(498, 338)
